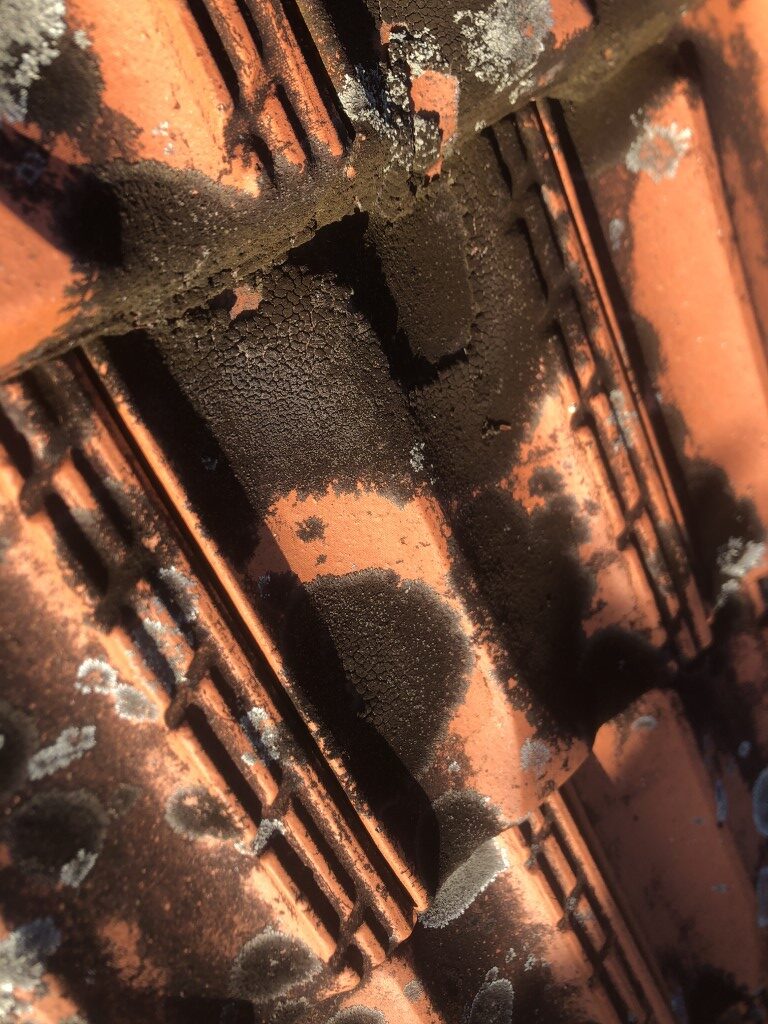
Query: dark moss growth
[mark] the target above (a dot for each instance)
(403, 661)
(313, 528)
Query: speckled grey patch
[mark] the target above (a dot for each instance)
(76, 870)
(413, 991)
(263, 734)
(735, 559)
(30, 32)
(270, 966)
(358, 1015)
(132, 705)
(535, 755)
(658, 150)
(503, 42)
(379, 97)
(22, 965)
(644, 723)
(71, 744)
(462, 887)
(721, 802)
(266, 828)
(616, 231)
(184, 590)
(760, 802)
(95, 675)
(494, 1001)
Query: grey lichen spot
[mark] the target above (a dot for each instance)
(644, 723)
(625, 419)
(270, 966)
(744, 749)
(413, 991)
(132, 705)
(378, 98)
(80, 38)
(94, 675)
(23, 954)
(503, 42)
(18, 738)
(535, 755)
(262, 733)
(762, 897)
(721, 802)
(58, 835)
(195, 813)
(183, 589)
(75, 870)
(462, 887)
(69, 747)
(760, 802)
(735, 559)
(358, 1015)
(658, 149)
(30, 32)
(266, 828)
(494, 1001)
(616, 230)
(416, 457)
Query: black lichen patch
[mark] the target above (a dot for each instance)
(194, 812)
(193, 451)
(312, 528)
(466, 820)
(54, 829)
(475, 410)
(67, 98)
(391, 649)
(270, 966)
(427, 271)
(616, 668)
(531, 578)
(18, 738)
(311, 366)
(316, 665)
